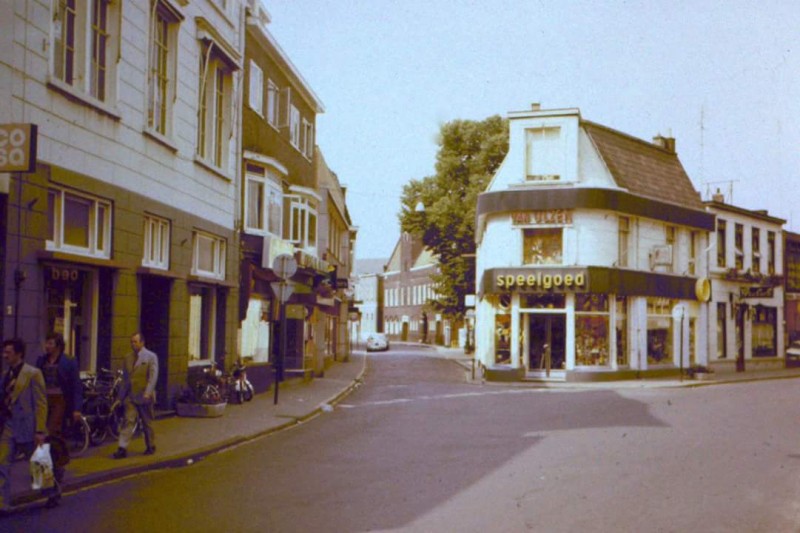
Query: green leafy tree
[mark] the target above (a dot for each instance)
(469, 154)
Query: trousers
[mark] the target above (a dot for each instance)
(144, 411)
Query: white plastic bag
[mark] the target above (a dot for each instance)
(42, 468)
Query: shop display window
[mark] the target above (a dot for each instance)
(764, 338)
(659, 330)
(722, 335)
(543, 301)
(591, 340)
(541, 246)
(622, 331)
(502, 339)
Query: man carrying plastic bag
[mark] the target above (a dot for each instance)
(23, 413)
(42, 474)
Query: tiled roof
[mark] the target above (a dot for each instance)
(642, 167)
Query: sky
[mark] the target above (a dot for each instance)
(722, 77)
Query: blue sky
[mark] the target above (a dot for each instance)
(391, 72)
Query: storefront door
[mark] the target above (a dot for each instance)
(70, 310)
(546, 342)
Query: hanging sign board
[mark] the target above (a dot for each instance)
(17, 147)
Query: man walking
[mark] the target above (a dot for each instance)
(139, 378)
(24, 413)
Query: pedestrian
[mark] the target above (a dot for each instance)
(138, 390)
(62, 382)
(24, 413)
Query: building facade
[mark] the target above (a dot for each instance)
(126, 223)
(746, 311)
(791, 254)
(589, 255)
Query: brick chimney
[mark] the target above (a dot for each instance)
(718, 197)
(667, 143)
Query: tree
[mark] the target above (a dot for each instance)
(469, 154)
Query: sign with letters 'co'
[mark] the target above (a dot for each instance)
(17, 147)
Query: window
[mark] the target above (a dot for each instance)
(622, 331)
(83, 52)
(302, 223)
(591, 330)
(78, 224)
(307, 139)
(692, 253)
(208, 259)
(771, 252)
(256, 89)
(722, 249)
(659, 330)
(755, 249)
(161, 73)
(624, 241)
(294, 126)
(738, 245)
(273, 103)
(202, 303)
(156, 242)
(541, 246)
(214, 109)
(722, 336)
(764, 328)
(671, 235)
(544, 154)
(263, 202)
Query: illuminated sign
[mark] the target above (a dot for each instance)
(543, 217)
(17, 147)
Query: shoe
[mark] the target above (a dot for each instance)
(121, 453)
(150, 450)
(52, 501)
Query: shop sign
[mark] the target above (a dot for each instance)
(542, 217)
(551, 280)
(17, 147)
(756, 292)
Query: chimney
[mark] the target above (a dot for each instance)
(718, 197)
(536, 106)
(667, 143)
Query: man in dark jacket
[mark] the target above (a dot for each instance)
(64, 395)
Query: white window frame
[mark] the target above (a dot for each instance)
(624, 248)
(272, 197)
(214, 112)
(302, 215)
(197, 321)
(256, 88)
(307, 139)
(218, 254)
(84, 63)
(157, 235)
(161, 71)
(294, 126)
(99, 229)
(273, 104)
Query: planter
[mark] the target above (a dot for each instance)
(200, 410)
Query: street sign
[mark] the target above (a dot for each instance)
(284, 266)
(18, 147)
(282, 290)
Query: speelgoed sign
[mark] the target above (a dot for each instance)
(539, 281)
(17, 147)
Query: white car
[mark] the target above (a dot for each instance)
(377, 342)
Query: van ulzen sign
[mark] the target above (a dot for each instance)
(17, 147)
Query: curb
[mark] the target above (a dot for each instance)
(187, 458)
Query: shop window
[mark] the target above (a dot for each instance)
(621, 325)
(84, 47)
(659, 331)
(156, 242)
(256, 331)
(209, 256)
(161, 74)
(543, 301)
(722, 249)
(624, 241)
(738, 245)
(722, 334)
(544, 155)
(591, 330)
(202, 304)
(764, 328)
(78, 224)
(263, 201)
(542, 246)
(502, 339)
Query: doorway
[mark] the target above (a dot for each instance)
(71, 302)
(546, 342)
(154, 325)
(740, 314)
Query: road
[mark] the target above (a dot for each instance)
(417, 448)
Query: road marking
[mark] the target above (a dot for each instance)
(450, 396)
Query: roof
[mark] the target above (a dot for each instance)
(642, 167)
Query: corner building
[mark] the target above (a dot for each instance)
(589, 255)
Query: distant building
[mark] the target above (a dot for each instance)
(368, 299)
(791, 254)
(589, 255)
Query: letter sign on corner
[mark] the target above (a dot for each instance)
(18, 147)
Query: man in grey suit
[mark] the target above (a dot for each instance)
(23, 415)
(139, 378)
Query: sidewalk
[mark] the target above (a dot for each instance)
(181, 441)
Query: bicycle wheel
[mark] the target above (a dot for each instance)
(98, 415)
(116, 419)
(78, 438)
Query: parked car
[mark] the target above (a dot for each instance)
(377, 342)
(793, 354)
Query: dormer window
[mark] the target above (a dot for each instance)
(544, 155)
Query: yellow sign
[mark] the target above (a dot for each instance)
(17, 147)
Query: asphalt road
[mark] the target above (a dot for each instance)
(416, 448)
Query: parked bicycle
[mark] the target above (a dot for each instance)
(242, 388)
(102, 406)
